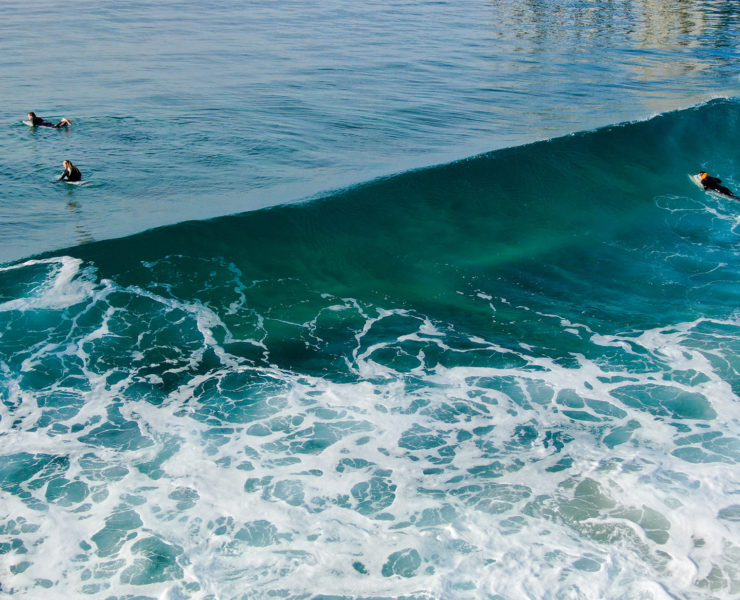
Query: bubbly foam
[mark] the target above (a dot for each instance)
(60, 287)
(442, 465)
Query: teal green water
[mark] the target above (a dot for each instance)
(513, 376)
(601, 216)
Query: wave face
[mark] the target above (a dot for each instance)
(514, 376)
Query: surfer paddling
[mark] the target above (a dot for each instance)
(35, 121)
(71, 173)
(714, 184)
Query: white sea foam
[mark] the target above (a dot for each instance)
(60, 289)
(440, 481)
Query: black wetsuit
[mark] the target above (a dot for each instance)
(39, 122)
(714, 184)
(71, 174)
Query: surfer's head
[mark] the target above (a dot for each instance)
(31, 116)
(67, 164)
(703, 175)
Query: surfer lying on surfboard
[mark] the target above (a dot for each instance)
(714, 184)
(71, 173)
(35, 121)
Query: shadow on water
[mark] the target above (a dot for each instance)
(82, 235)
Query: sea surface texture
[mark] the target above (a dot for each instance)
(499, 361)
(190, 110)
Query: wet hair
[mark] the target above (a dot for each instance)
(31, 114)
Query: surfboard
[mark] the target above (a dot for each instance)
(697, 181)
(30, 124)
(76, 183)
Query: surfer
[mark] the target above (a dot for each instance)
(714, 184)
(39, 122)
(71, 173)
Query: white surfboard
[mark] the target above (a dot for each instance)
(697, 181)
(30, 124)
(77, 183)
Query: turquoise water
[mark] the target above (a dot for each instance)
(509, 376)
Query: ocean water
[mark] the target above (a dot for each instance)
(186, 110)
(499, 361)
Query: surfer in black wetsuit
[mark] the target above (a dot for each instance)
(71, 173)
(39, 122)
(714, 184)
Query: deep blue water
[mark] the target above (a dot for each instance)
(499, 361)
